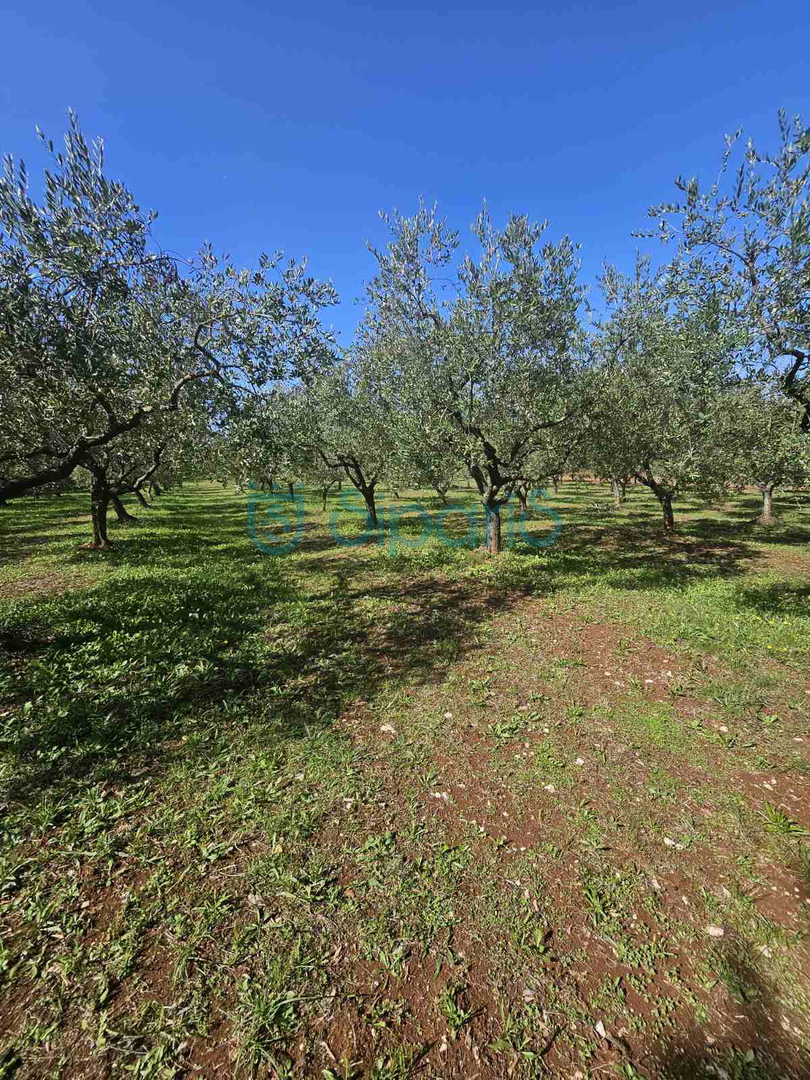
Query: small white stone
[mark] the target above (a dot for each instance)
(580, 761)
(549, 787)
(448, 716)
(716, 931)
(388, 729)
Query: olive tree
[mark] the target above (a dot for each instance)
(103, 334)
(554, 451)
(668, 365)
(342, 421)
(421, 463)
(252, 449)
(762, 434)
(487, 349)
(748, 235)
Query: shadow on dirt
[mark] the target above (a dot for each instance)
(761, 1044)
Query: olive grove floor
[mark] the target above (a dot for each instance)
(390, 811)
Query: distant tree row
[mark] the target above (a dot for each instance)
(138, 369)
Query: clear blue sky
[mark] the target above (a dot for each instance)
(281, 125)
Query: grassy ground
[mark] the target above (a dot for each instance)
(351, 812)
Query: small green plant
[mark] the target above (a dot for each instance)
(776, 819)
(517, 1033)
(397, 1065)
(804, 865)
(547, 758)
(453, 1010)
(531, 937)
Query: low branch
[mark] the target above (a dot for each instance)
(13, 489)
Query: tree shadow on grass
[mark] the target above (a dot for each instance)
(628, 559)
(114, 676)
(760, 1043)
(741, 521)
(776, 598)
(200, 627)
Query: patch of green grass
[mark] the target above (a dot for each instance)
(210, 837)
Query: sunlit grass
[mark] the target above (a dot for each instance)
(247, 794)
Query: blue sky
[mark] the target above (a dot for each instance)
(265, 126)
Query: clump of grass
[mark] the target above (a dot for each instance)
(775, 819)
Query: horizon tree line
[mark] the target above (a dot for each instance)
(135, 368)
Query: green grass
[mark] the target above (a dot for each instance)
(386, 811)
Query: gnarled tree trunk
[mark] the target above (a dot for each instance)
(367, 491)
(99, 504)
(663, 494)
(327, 488)
(124, 516)
(666, 508)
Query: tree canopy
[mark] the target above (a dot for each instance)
(125, 365)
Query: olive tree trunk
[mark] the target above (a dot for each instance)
(326, 489)
(124, 516)
(492, 526)
(666, 509)
(367, 491)
(663, 494)
(618, 487)
(767, 515)
(99, 504)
